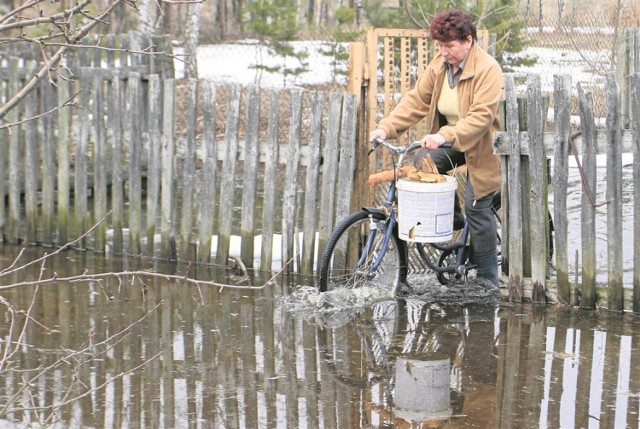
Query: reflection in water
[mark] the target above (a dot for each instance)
(147, 352)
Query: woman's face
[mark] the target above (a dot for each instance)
(456, 50)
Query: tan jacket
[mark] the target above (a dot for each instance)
(480, 90)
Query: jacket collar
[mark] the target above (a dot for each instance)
(469, 63)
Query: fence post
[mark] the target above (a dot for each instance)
(134, 120)
(210, 147)
(270, 173)
(614, 195)
(562, 116)
(588, 218)
(48, 103)
(310, 222)
(99, 164)
(13, 116)
(289, 206)
(357, 78)
(80, 217)
(538, 193)
(153, 165)
(31, 164)
(330, 169)
(116, 119)
(188, 172)
(635, 128)
(228, 174)
(62, 154)
(516, 285)
(347, 165)
(167, 246)
(250, 167)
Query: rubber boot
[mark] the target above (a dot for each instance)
(487, 266)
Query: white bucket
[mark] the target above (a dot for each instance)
(425, 210)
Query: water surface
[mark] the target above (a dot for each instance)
(137, 351)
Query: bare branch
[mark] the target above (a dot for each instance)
(44, 20)
(67, 103)
(19, 9)
(182, 1)
(55, 59)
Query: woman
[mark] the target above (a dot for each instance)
(459, 94)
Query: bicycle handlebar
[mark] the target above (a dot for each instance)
(400, 150)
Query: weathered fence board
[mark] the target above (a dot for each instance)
(515, 194)
(13, 232)
(228, 176)
(167, 157)
(116, 105)
(330, 170)
(62, 154)
(188, 173)
(588, 208)
(80, 219)
(48, 104)
(583, 290)
(207, 204)
(133, 142)
(289, 203)
(153, 170)
(250, 180)
(635, 111)
(99, 166)
(538, 190)
(562, 113)
(128, 132)
(31, 170)
(310, 221)
(614, 195)
(270, 185)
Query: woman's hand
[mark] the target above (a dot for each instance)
(432, 141)
(377, 133)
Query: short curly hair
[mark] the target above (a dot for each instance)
(452, 25)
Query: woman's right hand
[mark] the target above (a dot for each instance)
(377, 133)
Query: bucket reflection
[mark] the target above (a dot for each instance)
(149, 352)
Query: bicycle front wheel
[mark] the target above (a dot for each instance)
(353, 248)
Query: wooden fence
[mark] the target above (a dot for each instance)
(187, 170)
(525, 152)
(525, 256)
(179, 169)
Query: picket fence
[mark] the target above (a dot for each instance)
(527, 147)
(130, 160)
(116, 174)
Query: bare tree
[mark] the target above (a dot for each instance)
(55, 34)
(192, 36)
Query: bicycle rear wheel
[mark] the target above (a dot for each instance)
(352, 249)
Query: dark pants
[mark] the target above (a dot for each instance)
(482, 222)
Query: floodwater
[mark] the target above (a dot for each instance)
(159, 352)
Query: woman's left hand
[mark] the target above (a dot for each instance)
(432, 141)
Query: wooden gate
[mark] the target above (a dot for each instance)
(382, 70)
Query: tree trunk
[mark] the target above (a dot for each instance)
(221, 16)
(191, 45)
(146, 24)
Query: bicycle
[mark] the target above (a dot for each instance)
(366, 247)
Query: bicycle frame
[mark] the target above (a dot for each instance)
(389, 207)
